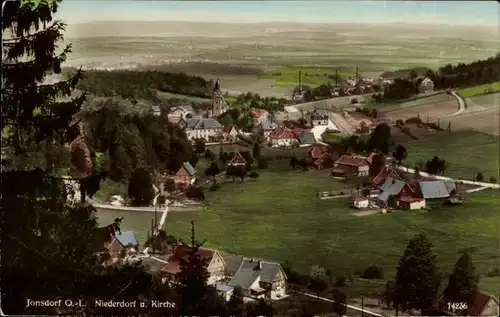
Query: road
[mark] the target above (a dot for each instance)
(483, 185)
(461, 104)
(348, 306)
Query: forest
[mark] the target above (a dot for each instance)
(132, 84)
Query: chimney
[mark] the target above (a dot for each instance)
(260, 265)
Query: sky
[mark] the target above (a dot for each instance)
(442, 12)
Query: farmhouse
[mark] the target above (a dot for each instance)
(124, 241)
(351, 164)
(156, 110)
(319, 117)
(215, 266)
(257, 278)
(237, 160)
(394, 187)
(436, 189)
(185, 176)
(224, 290)
(386, 172)
(481, 304)
(411, 203)
(360, 202)
(283, 136)
(319, 158)
(426, 85)
(202, 128)
(258, 115)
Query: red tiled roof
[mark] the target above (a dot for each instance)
(385, 173)
(281, 133)
(174, 120)
(182, 254)
(351, 160)
(317, 152)
(338, 171)
(238, 158)
(478, 303)
(370, 158)
(256, 112)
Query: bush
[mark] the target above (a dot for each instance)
(493, 180)
(493, 272)
(373, 272)
(340, 281)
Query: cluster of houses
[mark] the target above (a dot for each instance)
(256, 278)
(388, 189)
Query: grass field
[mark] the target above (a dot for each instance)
(311, 76)
(279, 218)
(466, 152)
(479, 90)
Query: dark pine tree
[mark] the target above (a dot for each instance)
(462, 283)
(417, 277)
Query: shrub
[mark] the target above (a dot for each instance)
(340, 281)
(373, 272)
(493, 272)
(493, 179)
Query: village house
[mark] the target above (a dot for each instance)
(436, 189)
(238, 160)
(229, 133)
(411, 203)
(257, 278)
(122, 242)
(202, 128)
(283, 136)
(181, 112)
(215, 267)
(319, 117)
(258, 115)
(360, 202)
(178, 121)
(351, 165)
(185, 176)
(224, 290)
(481, 304)
(394, 187)
(156, 110)
(386, 172)
(426, 86)
(319, 158)
(267, 127)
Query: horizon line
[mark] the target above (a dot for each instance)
(289, 22)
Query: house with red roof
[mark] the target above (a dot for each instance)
(399, 189)
(229, 133)
(411, 203)
(283, 136)
(214, 261)
(237, 160)
(351, 165)
(386, 172)
(258, 115)
(320, 158)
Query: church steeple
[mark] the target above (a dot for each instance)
(217, 85)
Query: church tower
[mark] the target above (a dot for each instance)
(217, 101)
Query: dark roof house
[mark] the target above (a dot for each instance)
(392, 187)
(189, 168)
(204, 123)
(251, 270)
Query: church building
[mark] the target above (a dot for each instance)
(219, 106)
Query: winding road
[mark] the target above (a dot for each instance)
(461, 104)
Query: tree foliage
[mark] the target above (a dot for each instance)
(381, 138)
(417, 277)
(462, 283)
(400, 153)
(140, 188)
(339, 302)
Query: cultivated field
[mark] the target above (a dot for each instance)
(467, 152)
(420, 132)
(311, 76)
(425, 109)
(482, 114)
(479, 90)
(245, 52)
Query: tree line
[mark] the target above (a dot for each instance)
(131, 84)
(446, 77)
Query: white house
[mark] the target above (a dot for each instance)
(360, 202)
(282, 136)
(319, 117)
(426, 86)
(258, 278)
(202, 128)
(411, 203)
(216, 265)
(258, 115)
